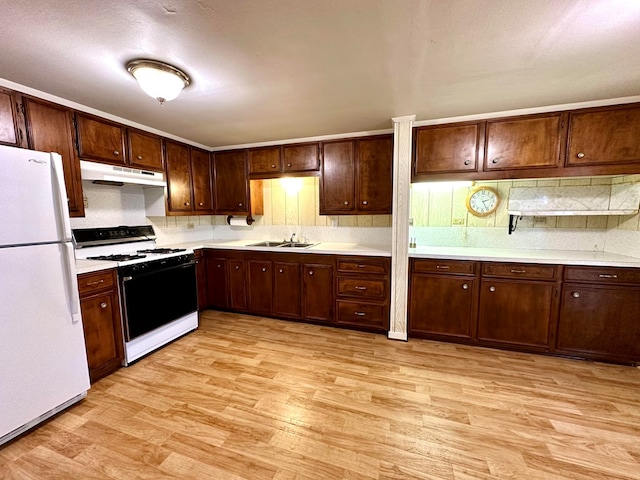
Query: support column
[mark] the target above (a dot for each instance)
(402, 141)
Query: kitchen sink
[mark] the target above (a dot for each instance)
(268, 244)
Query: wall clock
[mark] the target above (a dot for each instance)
(483, 201)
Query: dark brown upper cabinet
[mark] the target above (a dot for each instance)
(189, 188)
(524, 142)
(201, 181)
(448, 149)
(276, 161)
(100, 140)
(357, 176)
(605, 136)
(11, 120)
(233, 194)
(145, 150)
(49, 129)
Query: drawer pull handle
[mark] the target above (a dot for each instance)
(358, 287)
(97, 282)
(575, 294)
(442, 267)
(103, 305)
(362, 266)
(465, 286)
(360, 314)
(607, 275)
(492, 288)
(513, 270)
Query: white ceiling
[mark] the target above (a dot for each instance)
(267, 70)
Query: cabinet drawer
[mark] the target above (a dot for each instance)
(91, 282)
(362, 314)
(378, 266)
(444, 266)
(366, 288)
(603, 275)
(519, 270)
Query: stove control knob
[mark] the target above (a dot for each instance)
(135, 268)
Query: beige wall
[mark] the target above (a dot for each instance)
(434, 206)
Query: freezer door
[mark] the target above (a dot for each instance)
(43, 361)
(33, 198)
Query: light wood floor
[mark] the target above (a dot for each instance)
(254, 398)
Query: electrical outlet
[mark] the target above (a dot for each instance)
(190, 225)
(539, 220)
(457, 221)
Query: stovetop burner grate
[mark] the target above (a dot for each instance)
(162, 250)
(117, 258)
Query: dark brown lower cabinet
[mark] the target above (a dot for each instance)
(260, 285)
(237, 284)
(100, 307)
(216, 281)
(287, 290)
(317, 292)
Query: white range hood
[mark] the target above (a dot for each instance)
(116, 175)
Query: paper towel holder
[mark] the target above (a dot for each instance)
(250, 219)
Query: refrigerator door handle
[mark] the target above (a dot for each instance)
(72, 283)
(62, 201)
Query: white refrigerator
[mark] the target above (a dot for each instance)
(43, 362)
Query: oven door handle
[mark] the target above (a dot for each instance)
(146, 274)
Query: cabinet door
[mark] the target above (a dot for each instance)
(50, 130)
(237, 286)
(444, 149)
(317, 301)
(201, 181)
(375, 175)
(301, 158)
(178, 178)
(264, 161)
(442, 306)
(217, 282)
(103, 337)
(337, 183)
(232, 186)
(600, 322)
(10, 121)
(100, 140)
(604, 137)
(260, 286)
(145, 151)
(515, 313)
(286, 289)
(532, 142)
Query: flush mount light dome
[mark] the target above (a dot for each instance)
(159, 80)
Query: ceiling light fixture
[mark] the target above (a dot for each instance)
(159, 80)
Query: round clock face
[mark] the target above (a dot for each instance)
(483, 201)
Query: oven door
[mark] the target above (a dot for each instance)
(154, 299)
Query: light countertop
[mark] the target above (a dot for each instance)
(563, 257)
(88, 266)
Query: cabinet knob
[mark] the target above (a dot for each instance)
(273, 165)
(465, 286)
(495, 160)
(237, 267)
(201, 204)
(467, 162)
(264, 269)
(346, 202)
(288, 164)
(580, 155)
(139, 157)
(575, 294)
(364, 202)
(240, 204)
(492, 288)
(219, 266)
(103, 305)
(310, 272)
(116, 153)
(281, 270)
(186, 204)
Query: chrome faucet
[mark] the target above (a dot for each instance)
(293, 238)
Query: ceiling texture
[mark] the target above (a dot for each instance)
(268, 70)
